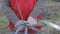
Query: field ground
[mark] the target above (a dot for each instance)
(4, 21)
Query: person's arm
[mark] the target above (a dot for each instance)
(9, 12)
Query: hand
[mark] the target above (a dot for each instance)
(32, 21)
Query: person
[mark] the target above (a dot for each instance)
(28, 10)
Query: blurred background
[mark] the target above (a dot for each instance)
(52, 9)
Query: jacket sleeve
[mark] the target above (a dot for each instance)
(39, 8)
(9, 12)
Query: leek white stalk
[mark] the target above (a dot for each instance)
(50, 24)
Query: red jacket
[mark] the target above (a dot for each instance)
(26, 7)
